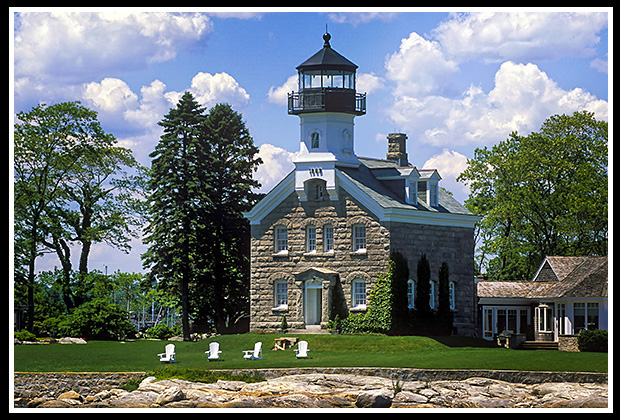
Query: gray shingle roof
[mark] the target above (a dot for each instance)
(580, 277)
(365, 178)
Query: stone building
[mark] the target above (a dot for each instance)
(336, 217)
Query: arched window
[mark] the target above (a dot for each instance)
(314, 140)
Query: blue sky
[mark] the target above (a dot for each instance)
(452, 80)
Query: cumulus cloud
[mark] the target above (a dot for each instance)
(450, 165)
(277, 163)
(279, 95)
(419, 67)
(72, 46)
(153, 106)
(369, 82)
(430, 108)
(110, 95)
(210, 89)
(522, 98)
(133, 118)
(520, 36)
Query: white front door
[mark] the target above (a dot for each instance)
(312, 301)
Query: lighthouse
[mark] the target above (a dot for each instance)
(326, 104)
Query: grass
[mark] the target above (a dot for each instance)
(325, 351)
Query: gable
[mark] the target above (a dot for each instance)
(546, 273)
(362, 185)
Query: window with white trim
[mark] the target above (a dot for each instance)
(433, 192)
(281, 294)
(328, 238)
(311, 239)
(281, 239)
(410, 294)
(359, 238)
(359, 293)
(431, 302)
(451, 294)
(544, 316)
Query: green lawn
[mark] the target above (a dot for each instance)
(325, 351)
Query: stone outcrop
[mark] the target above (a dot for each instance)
(324, 390)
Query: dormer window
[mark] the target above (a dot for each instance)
(428, 192)
(433, 194)
(422, 191)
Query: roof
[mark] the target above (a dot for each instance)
(365, 177)
(327, 59)
(367, 184)
(577, 277)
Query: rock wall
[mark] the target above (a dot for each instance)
(331, 388)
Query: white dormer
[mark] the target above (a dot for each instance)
(428, 187)
(409, 174)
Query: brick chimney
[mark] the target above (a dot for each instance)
(397, 149)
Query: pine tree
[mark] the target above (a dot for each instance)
(232, 160)
(201, 183)
(177, 194)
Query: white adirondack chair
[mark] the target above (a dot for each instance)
(256, 354)
(214, 351)
(169, 355)
(302, 350)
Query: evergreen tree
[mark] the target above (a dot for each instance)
(423, 295)
(177, 194)
(201, 183)
(231, 159)
(444, 314)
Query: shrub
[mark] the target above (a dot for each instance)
(160, 331)
(25, 336)
(593, 340)
(98, 320)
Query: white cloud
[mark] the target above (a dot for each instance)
(356, 18)
(600, 65)
(520, 36)
(522, 98)
(279, 95)
(111, 95)
(369, 82)
(277, 163)
(419, 67)
(75, 46)
(210, 89)
(153, 106)
(450, 165)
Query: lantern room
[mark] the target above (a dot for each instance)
(326, 84)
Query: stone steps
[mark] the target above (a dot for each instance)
(310, 329)
(539, 345)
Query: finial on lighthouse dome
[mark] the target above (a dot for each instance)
(326, 38)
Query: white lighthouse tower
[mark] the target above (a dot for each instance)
(326, 104)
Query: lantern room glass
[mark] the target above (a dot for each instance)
(334, 79)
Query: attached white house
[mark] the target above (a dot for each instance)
(566, 295)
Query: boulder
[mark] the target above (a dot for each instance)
(70, 395)
(170, 395)
(72, 340)
(374, 398)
